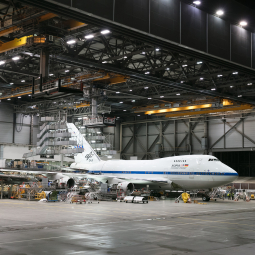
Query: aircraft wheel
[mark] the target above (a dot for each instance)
(204, 198)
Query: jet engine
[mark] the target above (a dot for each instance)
(66, 182)
(126, 186)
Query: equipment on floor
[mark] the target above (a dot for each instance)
(186, 197)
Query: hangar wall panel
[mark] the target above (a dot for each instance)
(241, 45)
(181, 127)
(216, 130)
(36, 131)
(249, 130)
(233, 138)
(6, 123)
(218, 37)
(169, 139)
(196, 138)
(253, 50)
(6, 132)
(193, 27)
(165, 19)
(23, 136)
(6, 113)
(133, 13)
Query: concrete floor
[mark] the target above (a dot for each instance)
(163, 227)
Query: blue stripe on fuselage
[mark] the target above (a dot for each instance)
(164, 173)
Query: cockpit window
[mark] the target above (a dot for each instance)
(213, 159)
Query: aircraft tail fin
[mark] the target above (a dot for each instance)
(88, 156)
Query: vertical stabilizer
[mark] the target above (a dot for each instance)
(89, 155)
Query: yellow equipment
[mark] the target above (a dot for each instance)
(39, 196)
(185, 197)
(252, 197)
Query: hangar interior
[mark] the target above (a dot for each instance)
(139, 80)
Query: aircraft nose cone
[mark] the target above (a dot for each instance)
(233, 175)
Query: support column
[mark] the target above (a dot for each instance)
(14, 127)
(175, 141)
(94, 107)
(205, 137)
(117, 136)
(62, 159)
(31, 129)
(159, 144)
(190, 138)
(2, 188)
(121, 140)
(44, 63)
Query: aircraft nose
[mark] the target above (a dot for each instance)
(233, 175)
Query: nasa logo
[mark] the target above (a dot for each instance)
(182, 160)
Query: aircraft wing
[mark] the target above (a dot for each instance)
(104, 178)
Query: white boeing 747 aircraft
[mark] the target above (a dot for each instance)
(189, 172)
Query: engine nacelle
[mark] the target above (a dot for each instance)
(126, 186)
(66, 182)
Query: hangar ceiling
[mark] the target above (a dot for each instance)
(121, 67)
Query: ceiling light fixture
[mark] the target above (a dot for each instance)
(157, 49)
(201, 78)
(2, 62)
(29, 95)
(162, 96)
(8, 99)
(143, 53)
(117, 92)
(147, 72)
(133, 101)
(19, 97)
(22, 80)
(51, 74)
(149, 97)
(243, 23)
(235, 72)
(231, 86)
(89, 36)
(71, 41)
(11, 83)
(197, 2)
(67, 71)
(184, 65)
(15, 58)
(213, 88)
(178, 94)
(130, 90)
(239, 95)
(249, 84)
(167, 68)
(106, 31)
(146, 87)
(121, 102)
(104, 62)
(200, 62)
(219, 12)
(138, 115)
(124, 110)
(219, 75)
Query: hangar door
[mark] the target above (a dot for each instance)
(241, 161)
